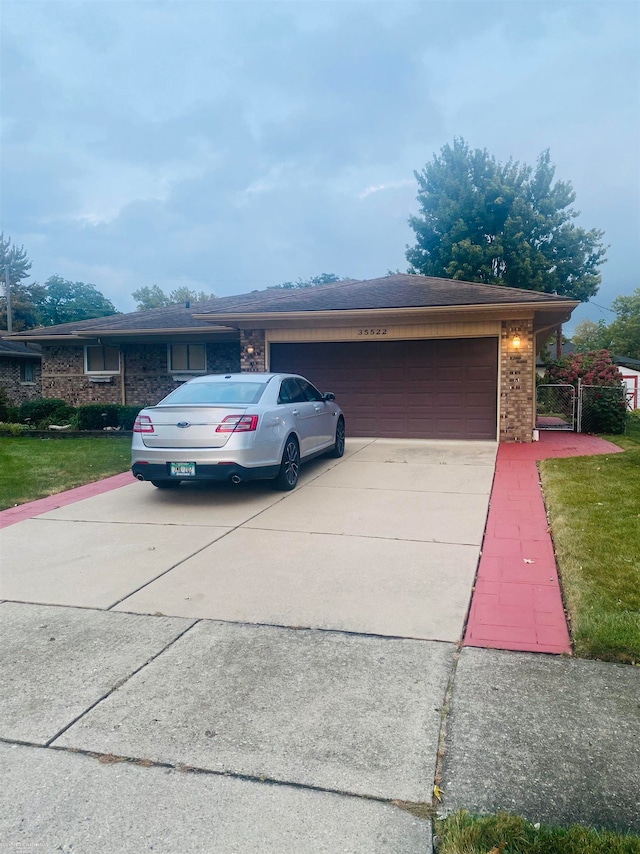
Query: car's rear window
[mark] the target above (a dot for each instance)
(216, 393)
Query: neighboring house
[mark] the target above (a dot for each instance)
(407, 356)
(20, 373)
(630, 370)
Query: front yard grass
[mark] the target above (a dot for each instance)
(594, 511)
(461, 833)
(34, 468)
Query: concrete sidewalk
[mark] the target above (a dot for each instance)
(237, 670)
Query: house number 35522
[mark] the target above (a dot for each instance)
(378, 331)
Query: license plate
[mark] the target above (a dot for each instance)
(182, 469)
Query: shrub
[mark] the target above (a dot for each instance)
(13, 429)
(4, 404)
(45, 411)
(604, 405)
(97, 416)
(127, 415)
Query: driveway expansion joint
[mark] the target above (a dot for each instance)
(119, 684)
(182, 768)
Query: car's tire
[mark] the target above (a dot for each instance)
(166, 484)
(338, 449)
(287, 477)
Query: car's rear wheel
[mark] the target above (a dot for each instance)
(287, 477)
(166, 484)
(338, 449)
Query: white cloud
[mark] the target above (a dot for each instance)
(390, 185)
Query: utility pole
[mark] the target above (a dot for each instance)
(8, 290)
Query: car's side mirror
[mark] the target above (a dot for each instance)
(328, 395)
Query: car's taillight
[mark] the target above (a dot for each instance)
(143, 424)
(238, 424)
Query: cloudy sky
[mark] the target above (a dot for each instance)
(228, 146)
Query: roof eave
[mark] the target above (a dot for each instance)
(83, 335)
(506, 310)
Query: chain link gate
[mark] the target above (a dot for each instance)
(556, 407)
(560, 406)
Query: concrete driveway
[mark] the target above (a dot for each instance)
(251, 670)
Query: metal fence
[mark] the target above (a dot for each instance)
(587, 409)
(556, 407)
(599, 408)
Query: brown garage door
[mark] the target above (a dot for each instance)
(435, 389)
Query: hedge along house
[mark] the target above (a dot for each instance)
(407, 356)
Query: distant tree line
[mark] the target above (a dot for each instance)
(621, 337)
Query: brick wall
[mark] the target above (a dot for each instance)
(19, 392)
(256, 361)
(63, 376)
(145, 379)
(517, 382)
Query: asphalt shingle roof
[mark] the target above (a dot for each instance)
(397, 291)
(19, 350)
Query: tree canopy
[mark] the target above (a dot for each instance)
(155, 297)
(589, 335)
(503, 224)
(314, 281)
(13, 260)
(64, 302)
(621, 337)
(14, 267)
(625, 329)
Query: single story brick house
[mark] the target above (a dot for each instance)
(20, 373)
(407, 356)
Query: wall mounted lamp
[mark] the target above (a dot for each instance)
(515, 339)
(249, 350)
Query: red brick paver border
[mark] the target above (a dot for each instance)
(516, 602)
(62, 499)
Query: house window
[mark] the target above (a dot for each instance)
(27, 372)
(99, 359)
(187, 358)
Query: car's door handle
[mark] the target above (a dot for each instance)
(317, 408)
(295, 412)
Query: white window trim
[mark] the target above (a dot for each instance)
(181, 375)
(101, 373)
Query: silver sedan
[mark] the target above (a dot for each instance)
(235, 427)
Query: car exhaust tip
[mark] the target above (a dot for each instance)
(139, 477)
(235, 478)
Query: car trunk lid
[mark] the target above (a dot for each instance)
(192, 427)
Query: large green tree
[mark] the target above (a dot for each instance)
(154, 297)
(14, 267)
(502, 223)
(625, 329)
(65, 302)
(25, 297)
(589, 335)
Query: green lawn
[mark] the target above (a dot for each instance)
(34, 468)
(462, 833)
(594, 510)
